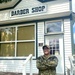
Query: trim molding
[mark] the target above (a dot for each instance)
(40, 20)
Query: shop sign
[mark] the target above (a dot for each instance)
(28, 11)
(6, 4)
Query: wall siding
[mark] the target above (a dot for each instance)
(59, 8)
(52, 8)
(11, 65)
(40, 37)
(17, 66)
(67, 41)
(34, 69)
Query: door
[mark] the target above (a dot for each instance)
(56, 48)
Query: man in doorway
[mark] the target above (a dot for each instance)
(47, 63)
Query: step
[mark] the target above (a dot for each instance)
(11, 73)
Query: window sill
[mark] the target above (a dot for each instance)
(54, 33)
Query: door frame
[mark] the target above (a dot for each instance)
(61, 57)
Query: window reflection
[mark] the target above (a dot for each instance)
(53, 27)
(7, 34)
(54, 46)
(25, 48)
(19, 39)
(26, 33)
(7, 49)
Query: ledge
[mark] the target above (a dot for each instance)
(35, 17)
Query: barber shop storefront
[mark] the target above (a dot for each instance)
(27, 25)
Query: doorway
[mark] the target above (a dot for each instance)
(56, 48)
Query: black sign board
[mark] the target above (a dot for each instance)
(45, 0)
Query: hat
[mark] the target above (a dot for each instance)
(45, 47)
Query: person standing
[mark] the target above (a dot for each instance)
(47, 63)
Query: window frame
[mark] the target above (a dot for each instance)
(16, 41)
(46, 33)
(51, 34)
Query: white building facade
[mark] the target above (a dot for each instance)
(29, 24)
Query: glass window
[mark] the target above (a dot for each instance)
(19, 39)
(53, 26)
(7, 49)
(54, 46)
(25, 48)
(7, 34)
(26, 33)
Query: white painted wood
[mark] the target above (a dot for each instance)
(60, 67)
(29, 58)
(54, 9)
(40, 37)
(17, 64)
(67, 41)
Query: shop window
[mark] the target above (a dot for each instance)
(7, 49)
(7, 34)
(26, 33)
(53, 27)
(25, 48)
(17, 41)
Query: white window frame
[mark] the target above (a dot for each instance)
(16, 41)
(56, 35)
(54, 32)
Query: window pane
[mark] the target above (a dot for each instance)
(25, 48)
(53, 27)
(54, 46)
(26, 33)
(7, 34)
(7, 49)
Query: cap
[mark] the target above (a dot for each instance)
(45, 47)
